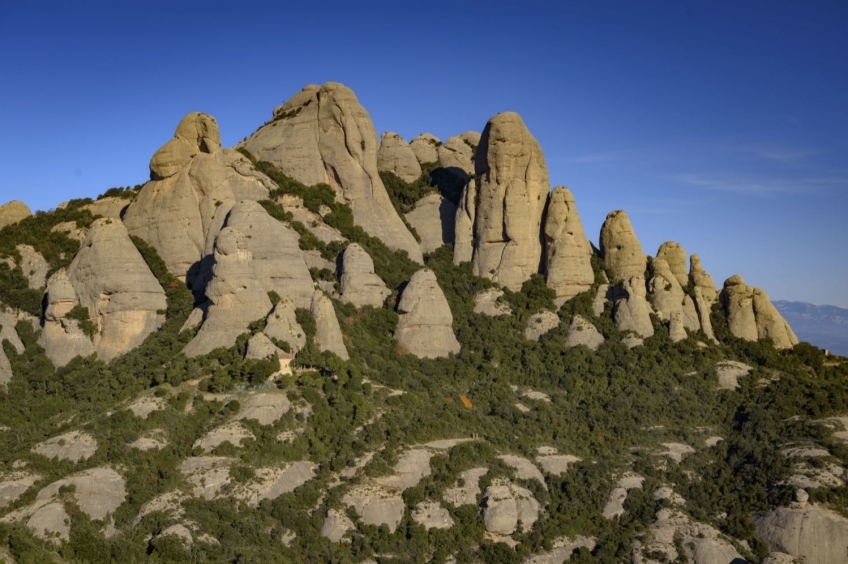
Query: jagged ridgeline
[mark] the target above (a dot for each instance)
(321, 346)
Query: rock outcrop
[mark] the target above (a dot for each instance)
(700, 279)
(111, 279)
(813, 533)
(7, 332)
(620, 248)
(568, 254)
(254, 254)
(457, 154)
(425, 325)
(672, 532)
(434, 219)
(34, 267)
(359, 285)
(513, 189)
(540, 323)
(751, 315)
(328, 333)
(463, 247)
(61, 337)
(668, 297)
(675, 256)
(281, 324)
(632, 311)
(13, 212)
(506, 505)
(396, 156)
(323, 135)
(582, 332)
(425, 148)
(194, 183)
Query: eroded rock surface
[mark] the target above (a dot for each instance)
(620, 248)
(359, 285)
(583, 332)
(13, 212)
(323, 135)
(632, 312)
(751, 315)
(701, 543)
(669, 299)
(540, 323)
(505, 505)
(466, 212)
(281, 324)
(434, 220)
(675, 256)
(812, 532)
(73, 446)
(568, 254)
(425, 325)
(514, 185)
(328, 334)
(425, 148)
(376, 505)
(396, 156)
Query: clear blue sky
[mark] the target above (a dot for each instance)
(721, 125)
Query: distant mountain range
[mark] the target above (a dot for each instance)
(822, 325)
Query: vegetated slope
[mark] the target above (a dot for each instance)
(823, 325)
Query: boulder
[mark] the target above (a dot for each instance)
(675, 256)
(568, 254)
(632, 311)
(434, 219)
(376, 505)
(281, 324)
(425, 148)
(110, 278)
(359, 285)
(34, 267)
(336, 525)
(751, 316)
(61, 337)
(467, 488)
(264, 407)
(13, 212)
(193, 185)
(672, 531)
(260, 347)
(323, 135)
(425, 324)
(812, 533)
(540, 323)
(620, 248)
(328, 334)
(486, 302)
(513, 189)
(583, 332)
(463, 248)
(431, 515)
(505, 505)
(396, 156)
(74, 446)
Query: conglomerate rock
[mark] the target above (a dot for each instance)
(568, 254)
(620, 248)
(425, 325)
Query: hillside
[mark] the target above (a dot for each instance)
(825, 326)
(321, 346)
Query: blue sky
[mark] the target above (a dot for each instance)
(720, 125)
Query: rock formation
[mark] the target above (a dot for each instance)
(328, 333)
(568, 254)
(751, 316)
(700, 279)
(813, 533)
(396, 156)
(582, 332)
(434, 220)
(7, 332)
(34, 267)
(61, 337)
(540, 323)
(456, 153)
(425, 147)
(668, 298)
(425, 325)
(323, 135)
(13, 212)
(281, 324)
(675, 256)
(111, 279)
(463, 248)
(514, 184)
(360, 286)
(193, 185)
(110, 206)
(505, 505)
(620, 248)
(632, 311)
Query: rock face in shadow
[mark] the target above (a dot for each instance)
(328, 335)
(360, 286)
(425, 326)
(514, 185)
(112, 280)
(620, 248)
(568, 254)
(463, 247)
(194, 183)
(805, 531)
(396, 156)
(13, 212)
(323, 135)
(632, 311)
(751, 315)
(433, 219)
